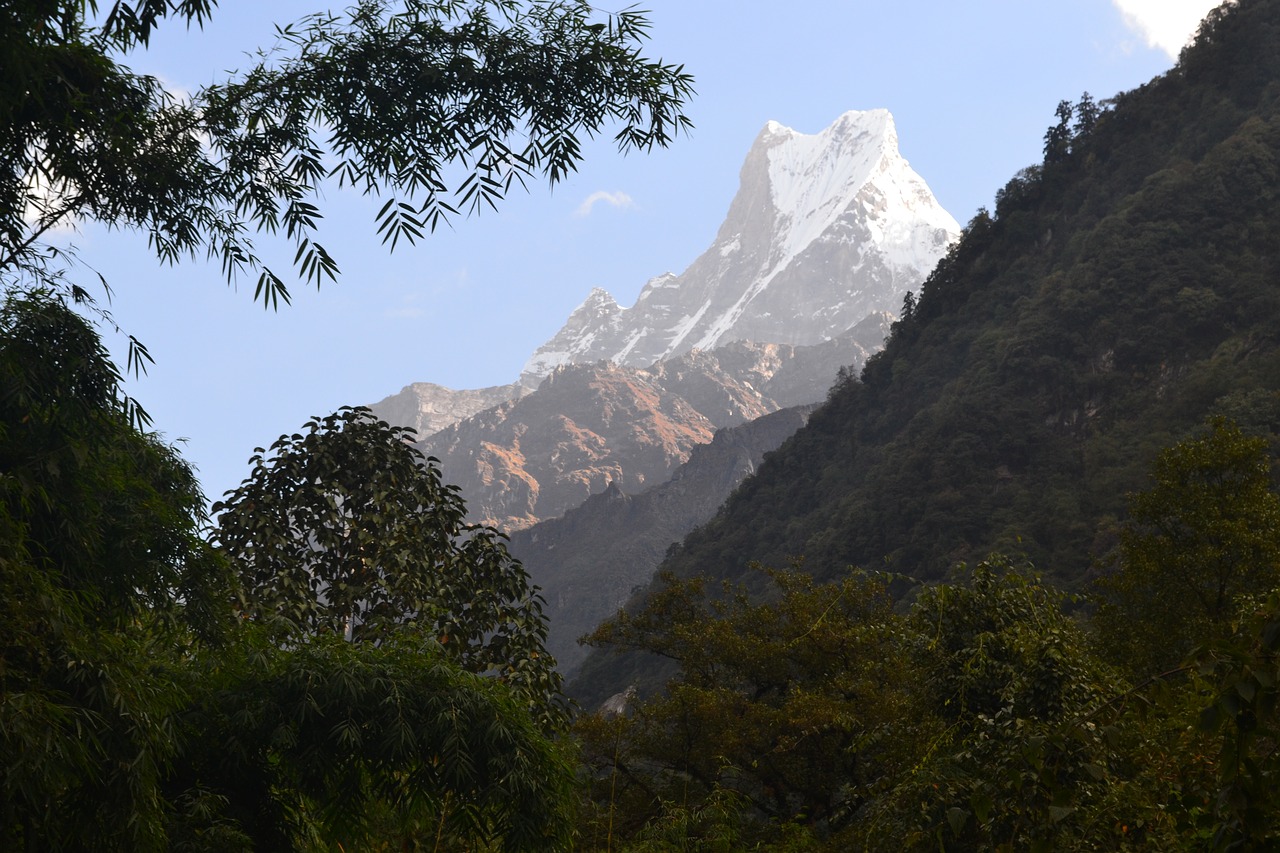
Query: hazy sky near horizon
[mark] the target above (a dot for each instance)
(972, 87)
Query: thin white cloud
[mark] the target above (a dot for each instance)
(409, 307)
(618, 199)
(1165, 24)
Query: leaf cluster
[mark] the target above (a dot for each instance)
(440, 105)
(366, 743)
(110, 514)
(1204, 534)
(105, 580)
(1239, 674)
(786, 708)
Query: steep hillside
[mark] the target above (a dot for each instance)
(1119, 293)
(538, 456)
(589, 561)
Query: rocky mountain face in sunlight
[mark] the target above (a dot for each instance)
(612, 420)
(826, 233)
(589, 426)
(428, 408)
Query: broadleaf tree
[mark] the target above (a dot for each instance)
(1205, 533)
(328, 744)
(345, 529)
(780, 719)
(137, 714)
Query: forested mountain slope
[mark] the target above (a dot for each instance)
(1119, 293)
(589, 560)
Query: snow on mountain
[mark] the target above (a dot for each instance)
(825, 229)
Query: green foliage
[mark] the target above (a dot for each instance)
(1122, 293)
(393, 98)
(357, 744)
(785, 709)
(137, 714)
(987, 717)
(999, 641)
(983, 719)
(1241, 676)
(111, 514)
(1057, 139)
(1068, 136)
(346, 530)
(104, 579)
(717, 825)
(1016, 761)
(1205, 533)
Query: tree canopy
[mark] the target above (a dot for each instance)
(346, 530)
(436, 106)
(1205, 533)
(984, 718)
(136, 711)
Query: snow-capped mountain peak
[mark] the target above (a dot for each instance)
(812, 178)
(824, 230)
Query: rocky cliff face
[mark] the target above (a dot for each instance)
(427, 408)
(824, 231)
(587, 426)
(589, 561)
(825, 235)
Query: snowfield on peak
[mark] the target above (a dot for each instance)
(825, 230)
(811, 178)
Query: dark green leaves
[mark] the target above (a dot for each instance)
(1207, 531)
(358, 732)
(345, 530)
(104, 581)
(398, 669)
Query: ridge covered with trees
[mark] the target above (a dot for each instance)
(1120, 292)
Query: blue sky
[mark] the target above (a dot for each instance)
(972, 87)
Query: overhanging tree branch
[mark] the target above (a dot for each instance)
(441, 105)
